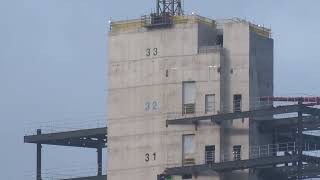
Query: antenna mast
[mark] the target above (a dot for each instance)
(169, 7)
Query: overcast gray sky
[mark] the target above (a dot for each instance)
(53, 59)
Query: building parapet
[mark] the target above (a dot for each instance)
(145, 22)
(260, 30)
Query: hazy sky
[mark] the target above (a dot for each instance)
(53, 60)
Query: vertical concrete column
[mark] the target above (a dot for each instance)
(39, 147)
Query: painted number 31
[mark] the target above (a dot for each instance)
(149, 157)
(153, 51)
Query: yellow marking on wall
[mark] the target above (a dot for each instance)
(260, 31)
(134, 24)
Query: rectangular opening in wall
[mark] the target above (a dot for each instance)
(188, 149)
(164, 177)
(210, 153)
(236, 152)
(219, 40)
(209, 103)
(237, 103)
(189, 97)
(187, 176)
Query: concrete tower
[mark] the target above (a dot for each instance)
(167, 66)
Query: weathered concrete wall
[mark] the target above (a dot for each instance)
(207, 35)
(247, 70)
(236, 72)
(145, 89)
(261, 82)
(136, 79)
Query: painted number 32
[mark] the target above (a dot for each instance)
(151, 106)
(153, 51)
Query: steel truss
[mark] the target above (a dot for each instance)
(169, 7)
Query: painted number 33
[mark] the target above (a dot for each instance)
(153, 51)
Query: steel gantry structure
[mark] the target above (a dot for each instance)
(303, 164)
(95, 138)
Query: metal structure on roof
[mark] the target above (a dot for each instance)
(163, 17)
(169, 7)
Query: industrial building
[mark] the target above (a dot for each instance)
(191, 97)
(172, 66)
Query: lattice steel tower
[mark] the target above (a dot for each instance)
(169, 7)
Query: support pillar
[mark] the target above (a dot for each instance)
(39, 147)
(99, 158)
(300, 139)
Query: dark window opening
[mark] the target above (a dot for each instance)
(219, 40)
(189, 97)
(209, 103)
(187, 176)
(236, 152)
(210, 153)
(237, 103)
(163, 177)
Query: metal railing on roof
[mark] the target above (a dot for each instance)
(149, 20)
(259, 29)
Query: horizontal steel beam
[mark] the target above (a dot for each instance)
(311, 111)
(288, 124)
(250, 114)
(103, 177)
(239, 165)
(309, 171)
(238, 115)
(90, 138)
